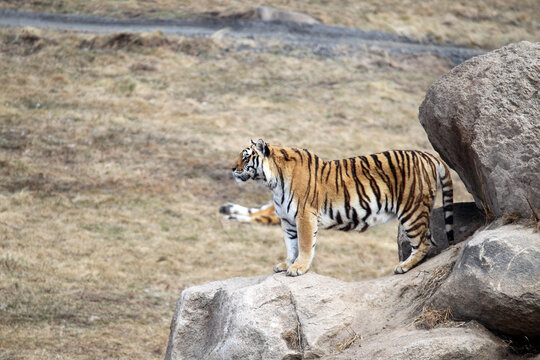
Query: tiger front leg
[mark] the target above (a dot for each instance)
(307, 238)
(290, 237)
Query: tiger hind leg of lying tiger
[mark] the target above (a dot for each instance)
(266, 214)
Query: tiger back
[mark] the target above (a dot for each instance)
(348, 194)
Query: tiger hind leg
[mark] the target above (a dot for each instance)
(264, 215)
(420, 239)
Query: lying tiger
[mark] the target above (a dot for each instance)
(349, 194)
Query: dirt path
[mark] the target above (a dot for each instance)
(322, 40)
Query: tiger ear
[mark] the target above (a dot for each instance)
(262, 148)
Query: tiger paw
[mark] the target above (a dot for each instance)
(297, 269)
(280, 267)
(401, 269)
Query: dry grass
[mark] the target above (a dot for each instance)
(349, 341)
(115, 155)
(480, 23)
(433, 318)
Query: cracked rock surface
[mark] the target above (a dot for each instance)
(497, 281)
(314, 316)
(483, 117)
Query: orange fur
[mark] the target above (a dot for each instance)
(347, 194)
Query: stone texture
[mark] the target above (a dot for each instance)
(279, 317)
(483, 117)
(470, 342)
(496, 281)
(467, 219)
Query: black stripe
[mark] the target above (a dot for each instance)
(415, 227)
(290, 201)
(393, 187)
(299, 154)
(410, 213)
(288, 222)
(282, 186)
(285, 155)
(336, 163)
(354, 218)
(372, 182)
(316, 158)
(400, 186)
(309, 179)
(385, 178)
(338, 218)
(329, 171)
(322, 169)
(360, 191)
(267, 218)
(293, 234)
(345, 162)
(347, 200)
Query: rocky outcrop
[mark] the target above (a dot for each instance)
(497, 281)
(467, 219)
(483, 117)
(313, 316)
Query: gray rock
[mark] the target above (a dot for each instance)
(483, 117)
(467, 219)
(279, 317)
(496, 281)
(471, 341)
(267, 13)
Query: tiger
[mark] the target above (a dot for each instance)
(310, 193)
(266, 214)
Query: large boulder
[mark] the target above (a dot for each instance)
(483, 117)
(496, 281)
(314, 316)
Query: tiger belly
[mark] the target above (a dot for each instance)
(355, 219)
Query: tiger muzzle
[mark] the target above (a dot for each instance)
(241, 176)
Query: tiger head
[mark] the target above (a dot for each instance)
(251, 162)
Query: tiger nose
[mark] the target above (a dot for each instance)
(234, 169)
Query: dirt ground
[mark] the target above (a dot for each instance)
(115, 155)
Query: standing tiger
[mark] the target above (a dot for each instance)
(348, 194)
